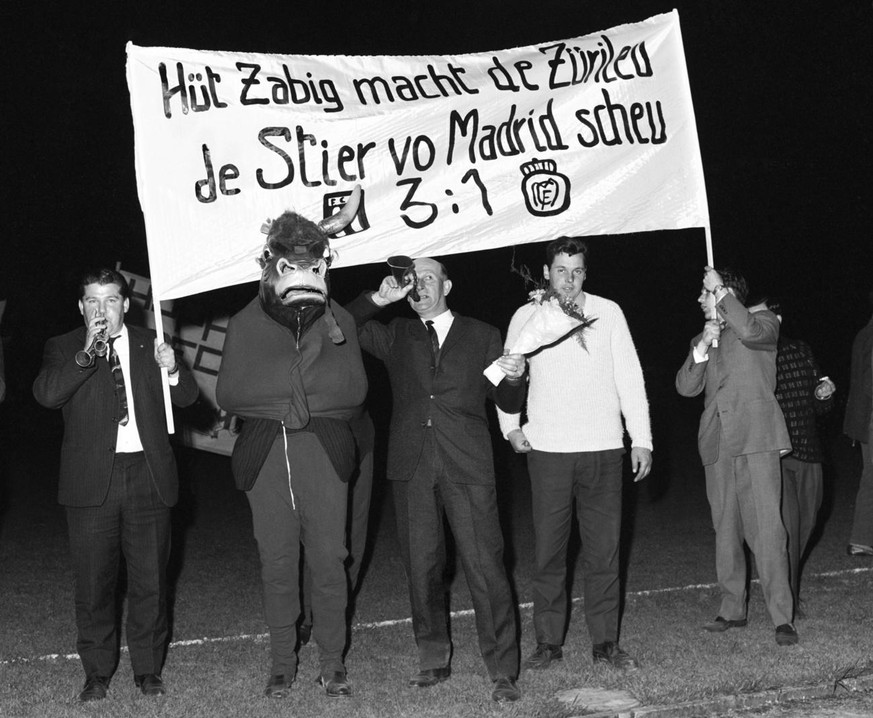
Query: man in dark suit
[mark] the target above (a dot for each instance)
(440, 465)
(741, 437)
(117, 476)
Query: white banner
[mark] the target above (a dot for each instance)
(454, 153)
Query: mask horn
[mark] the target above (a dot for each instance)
(338, 221)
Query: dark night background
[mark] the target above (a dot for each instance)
(782, 94)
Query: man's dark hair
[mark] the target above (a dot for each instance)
(774, 304)
(102, 276)
(736, 281)
(569, 246)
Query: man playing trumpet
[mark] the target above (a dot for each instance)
(117, 476)
(98, 340)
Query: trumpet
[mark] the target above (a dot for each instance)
(99, 347)
(403, 269)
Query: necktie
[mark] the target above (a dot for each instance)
(118, 375)
(434, 339)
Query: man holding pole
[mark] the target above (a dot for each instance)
(118, 476)
(742, 435)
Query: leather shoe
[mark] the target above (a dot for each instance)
(94, 689)
(430, 677)
(612, 654)
(505, 691)
(150, 684)
(335, 684)
(786, 635)
(279, 686)
(720, 625)
(857, 549)
(543, 656)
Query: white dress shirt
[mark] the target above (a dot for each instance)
(441, 325)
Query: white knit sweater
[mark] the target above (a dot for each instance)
(577, 397)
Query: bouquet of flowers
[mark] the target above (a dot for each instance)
(554, 317)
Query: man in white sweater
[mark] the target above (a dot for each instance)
(574, 439)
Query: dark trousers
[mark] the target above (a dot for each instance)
(360, 491)
(316, 517)
(421, 506)
(590, 482)
(802, 493)
(862, 524)
(135, 523)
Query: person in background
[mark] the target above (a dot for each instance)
(118, 477)
(803, 395)
(574, 441)
(857, 426)
(741, 438)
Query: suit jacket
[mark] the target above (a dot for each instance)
(446, 398)
(90, 408)
(858, 404)
(739, 406)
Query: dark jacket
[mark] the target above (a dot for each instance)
(797, 375)
(859, 404)
(90, 407)
(446, 399)
(266, 378)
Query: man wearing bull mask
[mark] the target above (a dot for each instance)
(117, 477)
(292, 368)
(440, 466)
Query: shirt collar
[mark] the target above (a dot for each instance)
(122, 336)
(443, 321)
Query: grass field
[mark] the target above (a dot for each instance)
(218, 662)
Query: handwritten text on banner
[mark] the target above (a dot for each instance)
(455, 153)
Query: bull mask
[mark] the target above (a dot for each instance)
(295, 286)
